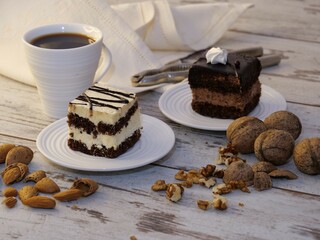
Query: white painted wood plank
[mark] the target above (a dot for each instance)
(125, 205)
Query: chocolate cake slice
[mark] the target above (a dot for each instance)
(230, 90)
(103, 122)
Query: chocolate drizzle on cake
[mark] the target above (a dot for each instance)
(119, 97)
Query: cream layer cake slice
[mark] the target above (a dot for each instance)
(104, 122)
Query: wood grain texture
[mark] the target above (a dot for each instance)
(125, 205)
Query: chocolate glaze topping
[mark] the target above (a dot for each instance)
(102, 102)
(244, 67)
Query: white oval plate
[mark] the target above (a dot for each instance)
(175, 104)
(157, 139)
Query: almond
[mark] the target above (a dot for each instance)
(86, 185)
(11, 176)
(4, 149)
(10, 192)
(27, 192)
(14, 173)
(10, 202)
(19, 154)
(40, 202)
(35, 176)
(47, 185)
(68, 195)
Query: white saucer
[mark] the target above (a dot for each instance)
(157, 139)
(175, 104)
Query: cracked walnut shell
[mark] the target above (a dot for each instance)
(275, 146)
(262, 181)
(263, 166)
(306, 156)
(238, 171)
(242, 133)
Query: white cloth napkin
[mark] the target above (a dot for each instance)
(140, 35)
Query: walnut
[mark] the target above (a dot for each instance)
(263, 166)
(220, 202)
(208, 170)
(219, 173)
(181, 175)
(203, 204)
(262, 181)
(242, 133)
(194, 176)
(187, 184)
(306, 156)
(208, 182)
(174, 192)
(159, 185)
(282, 173)
(237, 171)
(284, 120)
(221, 189)
(242, 185)
(225, 154)
(275, 146)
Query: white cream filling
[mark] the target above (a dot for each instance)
(103, 114)
(107, 140)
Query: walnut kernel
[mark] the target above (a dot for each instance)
(159, 185)
(174, 192)
(220, 202)
(203, 204)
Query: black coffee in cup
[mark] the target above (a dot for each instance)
(62, 41)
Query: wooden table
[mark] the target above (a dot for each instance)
(125, 205)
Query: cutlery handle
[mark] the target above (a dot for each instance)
(269, 60)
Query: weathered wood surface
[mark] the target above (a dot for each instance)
(125, 205)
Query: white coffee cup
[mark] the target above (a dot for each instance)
(63, 74)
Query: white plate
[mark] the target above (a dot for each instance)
(157, 139)
(175, 104)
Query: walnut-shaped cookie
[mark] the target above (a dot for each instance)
(242, 133)
(275, 146)
(306, 156)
